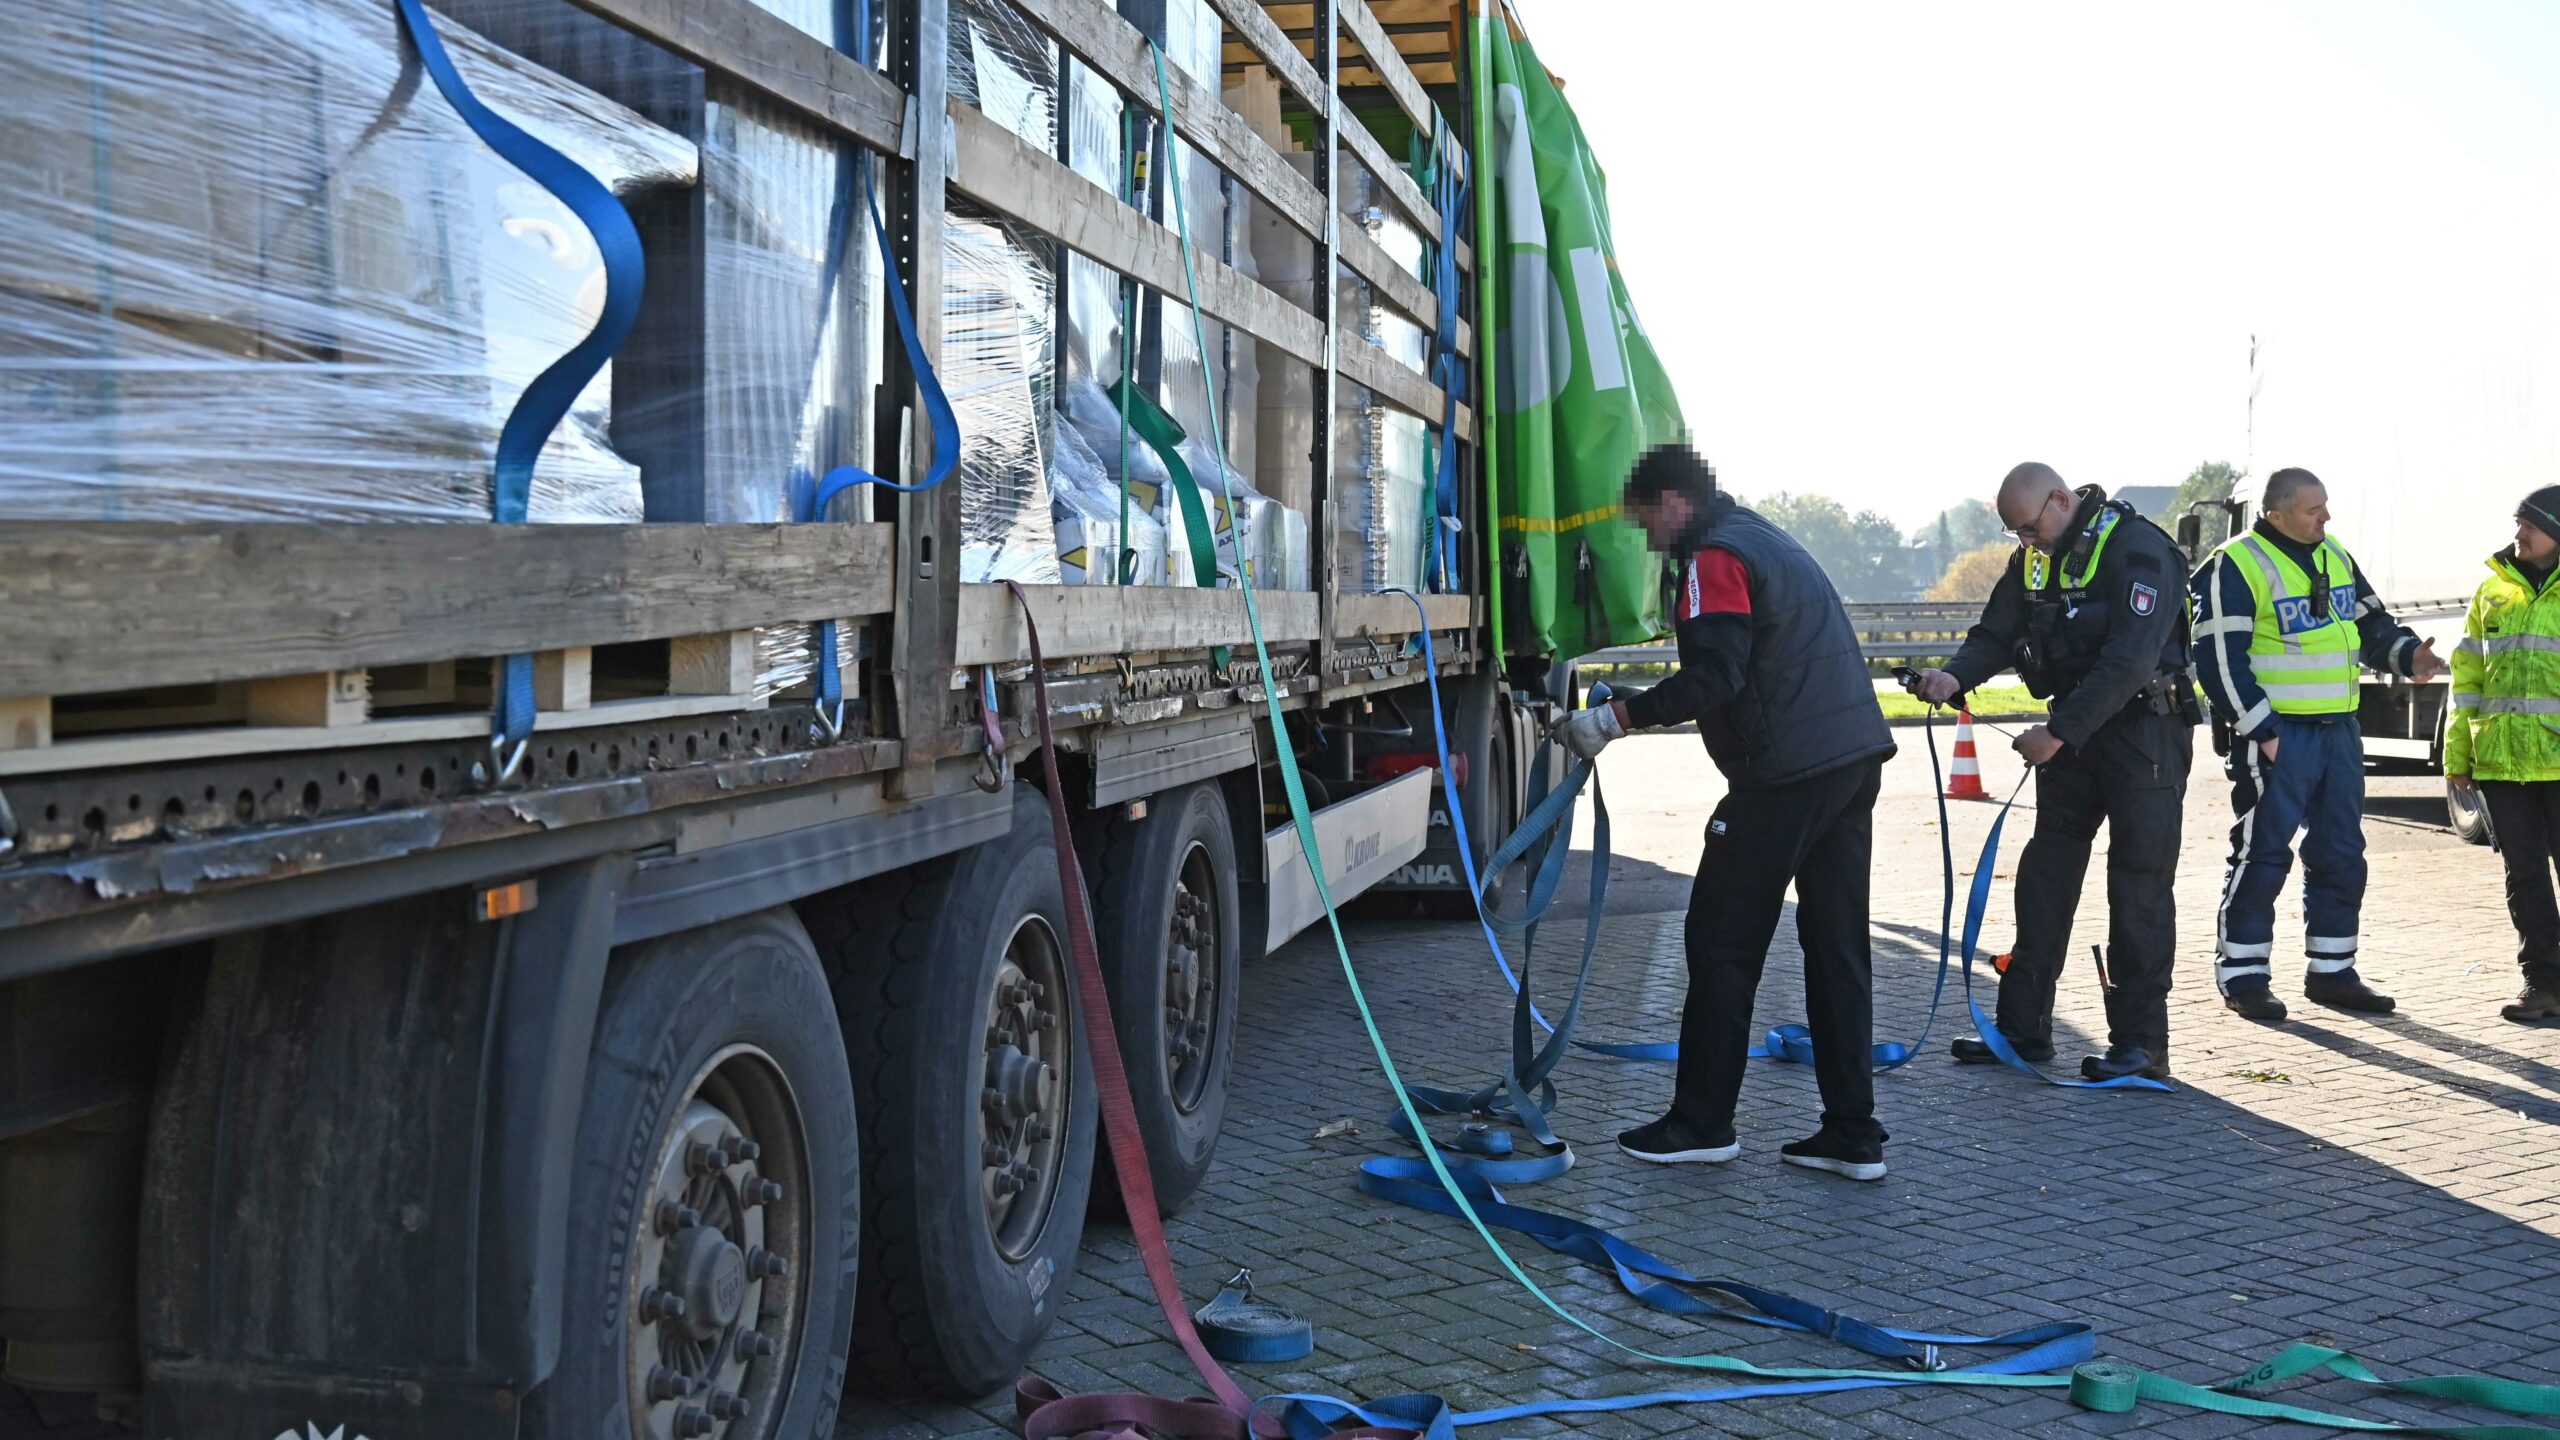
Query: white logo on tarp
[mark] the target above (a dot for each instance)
(311, 1431)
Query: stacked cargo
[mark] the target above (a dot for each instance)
(253, 268)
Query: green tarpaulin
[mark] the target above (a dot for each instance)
(1581, 393)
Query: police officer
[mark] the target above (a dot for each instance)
(2092, 613)
(2283, 618)
(1769, 670)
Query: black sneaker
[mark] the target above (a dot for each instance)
(2256, 1004)
(2346, 992)
(1828, 1150)
(1971, 1050)
(1671, 1141)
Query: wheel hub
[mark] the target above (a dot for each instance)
(710, 1272)
(712, 1311)
(1191, 987)
(1022, 1100)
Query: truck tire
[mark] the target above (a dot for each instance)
(1165, 910)
(2466, 811)
(957, 996)
(715, 1210)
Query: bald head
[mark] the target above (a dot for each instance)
(2027, 505)
(2027, 486)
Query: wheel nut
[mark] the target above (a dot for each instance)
(754, 1344)
(666, 1384)
(673, 1217)
(697, 1158)
(725, 1406)
(762, 1262)
(991, 1154)
(691, 1422)
(657, 1304)
(745, 1149)
(760, 1192)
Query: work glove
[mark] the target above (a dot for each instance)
(1589, 732)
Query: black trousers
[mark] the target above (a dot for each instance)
(2526, 815)
(1818, 833)
(2132, 776)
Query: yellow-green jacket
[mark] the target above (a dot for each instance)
(2506, 680)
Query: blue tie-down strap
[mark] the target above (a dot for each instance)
(1242, 1329)
(539, 409)
(1448, 371)
(1666, 1287)
(811, 497)
(1977, 901)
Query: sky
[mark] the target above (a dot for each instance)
(1888, 250)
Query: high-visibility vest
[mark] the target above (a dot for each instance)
(2304, 659)
(2506, 681)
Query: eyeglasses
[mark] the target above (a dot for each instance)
(2020, 531)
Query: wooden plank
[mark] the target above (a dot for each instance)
(161, 747)
(340, 697)
(88, 607)
(1116, 619)
(712, 664)
(1370, 262)
(993, 165)
(762, 50)
(1121, 54)
(565, 679)
(1396, 383)
(1356, 615)
(1417, 207)
(1388, 62)
(1263, 35)
(27, 723)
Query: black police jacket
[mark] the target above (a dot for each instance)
(2095, 641)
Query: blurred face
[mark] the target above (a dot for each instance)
(1664, 520)
(2042, 526)
(2533, 547)
(2304, 518)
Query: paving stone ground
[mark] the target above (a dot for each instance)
(2385, 1185)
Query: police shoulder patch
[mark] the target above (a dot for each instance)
(2144, 599)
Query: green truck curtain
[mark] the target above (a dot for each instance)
(1580, 393)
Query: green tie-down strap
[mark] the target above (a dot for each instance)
(2106, 1386)
(1163, 433)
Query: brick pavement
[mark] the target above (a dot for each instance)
(2384, 1185)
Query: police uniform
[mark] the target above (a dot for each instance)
(2100, 630)
(2282, 631)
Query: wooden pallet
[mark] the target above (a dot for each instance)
(439, 700)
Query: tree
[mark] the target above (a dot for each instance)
(1973, 574)
(2211, 481)
(1864, 554)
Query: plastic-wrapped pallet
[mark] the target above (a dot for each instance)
(253, 268)
(1088, 509)
(1090, 414)
(996, 309)
(750, 369)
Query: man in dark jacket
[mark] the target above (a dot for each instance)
(2092, 613)
(1769, 669)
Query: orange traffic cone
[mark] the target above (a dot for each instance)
(1964, 775)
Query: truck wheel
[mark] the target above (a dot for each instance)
(2468, 813)
(714, 1219)
(1165, 907)
(958, 1003)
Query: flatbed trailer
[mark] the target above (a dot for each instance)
(360, 1076)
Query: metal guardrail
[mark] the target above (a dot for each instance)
(1926, 629)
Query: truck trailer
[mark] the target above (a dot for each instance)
(580, 951)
